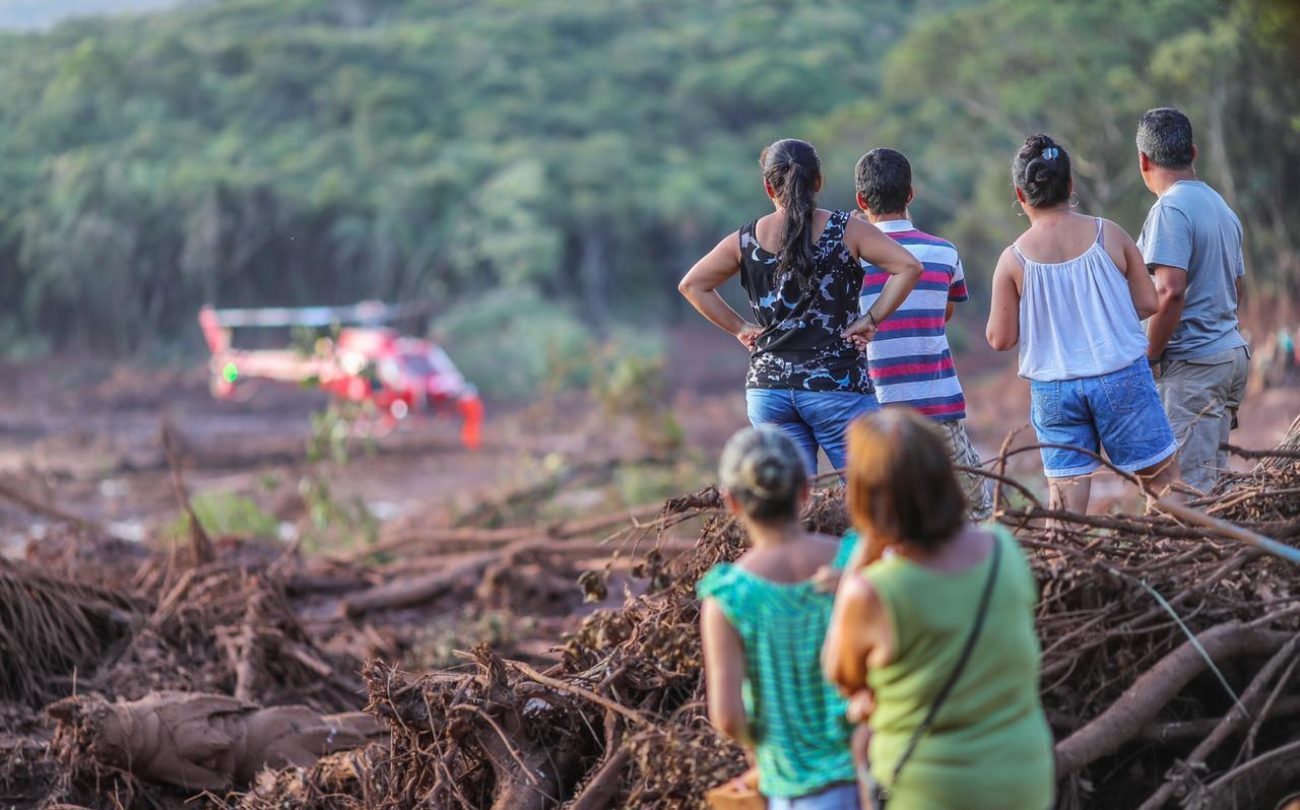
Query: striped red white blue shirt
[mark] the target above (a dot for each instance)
(909, 359)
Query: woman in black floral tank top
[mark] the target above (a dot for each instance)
(800, 266)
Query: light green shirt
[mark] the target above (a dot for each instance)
(990, 747)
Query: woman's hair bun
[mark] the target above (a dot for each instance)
(763, 470)
(1041, 169)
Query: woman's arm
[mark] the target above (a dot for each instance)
(700, 286)
(1140, 285)
(724, 673)
(869, 243)
(858, 631)
(1003, 330)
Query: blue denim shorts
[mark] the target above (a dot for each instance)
(1119, 412)
(839, 797)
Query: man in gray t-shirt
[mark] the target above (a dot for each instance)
(1191, 242)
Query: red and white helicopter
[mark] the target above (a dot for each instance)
(361, 361)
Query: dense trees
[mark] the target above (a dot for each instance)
(309, 151)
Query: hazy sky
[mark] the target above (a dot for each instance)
(37, 14)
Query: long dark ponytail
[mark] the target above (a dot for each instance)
(791, 167)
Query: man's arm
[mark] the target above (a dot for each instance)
(1166, 248)
(957, 292)
(1171, 291)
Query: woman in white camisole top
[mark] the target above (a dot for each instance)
(1071, 293)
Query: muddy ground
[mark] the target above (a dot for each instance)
(82, 441)
(87, 435)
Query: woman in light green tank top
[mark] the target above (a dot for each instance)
(901, 622)
(762, 623)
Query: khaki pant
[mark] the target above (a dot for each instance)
(1201, 398)
(979, 500)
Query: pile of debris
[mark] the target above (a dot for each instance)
(1170, 651)
(1169, 656)
(136, 677)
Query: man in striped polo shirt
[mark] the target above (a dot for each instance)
(909, 357)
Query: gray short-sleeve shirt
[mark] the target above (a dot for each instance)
(1191, 227)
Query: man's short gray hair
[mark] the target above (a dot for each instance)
(1165, 137)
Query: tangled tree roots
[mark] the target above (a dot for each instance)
(51, 628)
(1164, 647)
(217, 628)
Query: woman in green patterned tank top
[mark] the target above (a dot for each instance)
(905, 608)
(763, 620)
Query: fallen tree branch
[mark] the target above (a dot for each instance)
(415, 590)
(585, 694)
(1232, 722)
(601, 790)
(453, 540)
(1230, 531)
(1242, 452)
(1187, 730)
(38, 507)
(1139, 704)
(1285, 758)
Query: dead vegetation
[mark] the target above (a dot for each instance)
(1169, 657)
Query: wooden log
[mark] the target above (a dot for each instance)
(416, 590)
(1134, 710)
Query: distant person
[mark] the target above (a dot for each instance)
(1071, 292)
(799, 266)
(930, 599)
(1191, 242)
(909, 357)
(762, 622)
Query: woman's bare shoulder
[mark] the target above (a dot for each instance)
(856, 593)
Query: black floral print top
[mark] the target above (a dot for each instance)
(802, 345)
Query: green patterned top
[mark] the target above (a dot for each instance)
(795, 714)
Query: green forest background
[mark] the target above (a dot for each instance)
(545, 170)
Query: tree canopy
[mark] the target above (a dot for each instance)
(265, 152)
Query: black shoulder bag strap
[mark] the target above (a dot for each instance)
(882, 792)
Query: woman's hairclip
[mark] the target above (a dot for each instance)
(1051, 153)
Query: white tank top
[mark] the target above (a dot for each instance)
(1077, 318)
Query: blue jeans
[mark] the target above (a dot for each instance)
(1120, 412)
(811, 418)
(839, 797)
